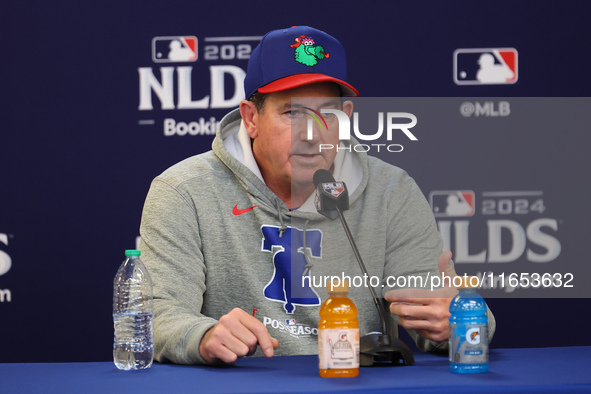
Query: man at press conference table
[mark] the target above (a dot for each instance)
(221, 229)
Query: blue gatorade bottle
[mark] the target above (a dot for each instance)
(468, 331)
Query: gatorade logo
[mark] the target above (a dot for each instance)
(473, 336)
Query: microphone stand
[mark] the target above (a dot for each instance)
(375, 346)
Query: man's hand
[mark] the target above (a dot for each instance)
(425, 311)
(236, 334)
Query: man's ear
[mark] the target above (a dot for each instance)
(249, 113)
(348, 108)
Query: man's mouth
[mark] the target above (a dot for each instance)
(306, 158)
(306, 154)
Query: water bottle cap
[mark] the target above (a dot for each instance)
(132, 252)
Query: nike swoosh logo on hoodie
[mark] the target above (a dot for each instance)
(237, 211)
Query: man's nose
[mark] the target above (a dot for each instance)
(312, 131)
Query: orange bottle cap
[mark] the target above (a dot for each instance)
(338, 286)
(469, 282)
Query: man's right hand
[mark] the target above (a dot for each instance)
(236, 334)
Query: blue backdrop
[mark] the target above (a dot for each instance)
(89, 100)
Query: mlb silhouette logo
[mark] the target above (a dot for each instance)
(174, 49)
(290, 322)
(452, 203)
(488, 66)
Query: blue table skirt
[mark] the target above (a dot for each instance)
(511, 370)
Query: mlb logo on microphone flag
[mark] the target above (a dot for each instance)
(485, 66)
(334, 188)
(174, 49)
(452, 203)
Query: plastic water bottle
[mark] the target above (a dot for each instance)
(338, 335)
(468, 332)
(132, 314)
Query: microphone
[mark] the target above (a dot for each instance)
(331, 194)
(332, 198)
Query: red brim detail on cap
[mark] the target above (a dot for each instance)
(294, 81)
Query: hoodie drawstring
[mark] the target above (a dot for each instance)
(306, 250)
(283, 226)
(307, 256)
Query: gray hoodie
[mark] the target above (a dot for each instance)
(215, 237)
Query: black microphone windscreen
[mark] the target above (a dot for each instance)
(322, 176)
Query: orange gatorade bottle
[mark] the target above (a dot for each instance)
(338, 334)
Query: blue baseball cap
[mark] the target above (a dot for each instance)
(300, 55)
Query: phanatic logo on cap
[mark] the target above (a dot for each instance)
(318, 57)
(305, 51)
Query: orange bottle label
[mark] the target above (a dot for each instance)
(338, 348)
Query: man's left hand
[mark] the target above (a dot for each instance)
(426, 311)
